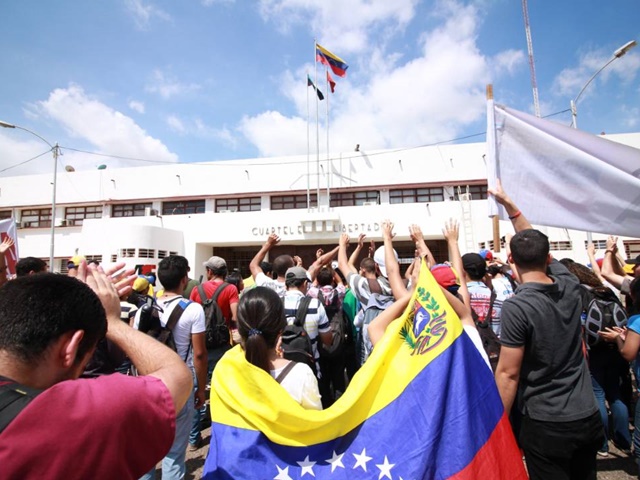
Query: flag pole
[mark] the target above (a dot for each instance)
(315, 62)
(326, 89)
(495, 219)
(308, 152)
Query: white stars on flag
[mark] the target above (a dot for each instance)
(336, 461)
(307, 467)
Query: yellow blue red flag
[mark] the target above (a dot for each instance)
(423, 406)
(334, 62)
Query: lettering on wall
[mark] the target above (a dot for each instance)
(288, 230)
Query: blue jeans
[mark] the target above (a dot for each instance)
(214, 357)
(173, 464)
(605, 378)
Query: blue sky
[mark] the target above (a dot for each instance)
(206, 80)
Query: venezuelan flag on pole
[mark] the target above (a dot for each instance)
(334, 62)
(424, 406)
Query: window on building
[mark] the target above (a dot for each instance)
(129, 209)
(352, 199)
(35, 218)
(162, 253)
(127, 252)
(416, 195)
(560, 245)
(598, 244)
(146, 253)
(5, 214)
(287, 202)
(631, 248)
(75, 215)
(477, 192)
(183, 208)
(248, 204)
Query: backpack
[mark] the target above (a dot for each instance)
(490, 340)
(217, 333)
(149, 323)
(14, 397)
(375, 306)
(601, 309)
(296, 344)
(340, 328)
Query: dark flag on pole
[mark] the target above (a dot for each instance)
(311, 84)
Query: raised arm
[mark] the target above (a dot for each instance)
(343, 263)
(356, 253)
(611, 269)
(390, 262)
(451, 232)
(418, 238)
(591, 253)
(4, 247)
(254, 266)
(518, 220)
(148, 355)
(322, 259)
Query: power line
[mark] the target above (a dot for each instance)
(22, 163)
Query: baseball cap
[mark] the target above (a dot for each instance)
(628, 268)
(486, 254)
(215, 263)
(378, 257)
(297, 273)
(474, 265)
(141, 284)
(633, 261)
(75, 261)
(445, 275)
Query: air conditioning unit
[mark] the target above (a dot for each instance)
(19, 225)
(369, 204)
(153, 212)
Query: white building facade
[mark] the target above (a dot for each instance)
(228, 208)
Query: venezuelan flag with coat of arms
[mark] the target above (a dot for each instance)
(424, 405)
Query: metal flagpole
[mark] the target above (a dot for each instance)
(308, 152)
(317, 129)
(326, 89)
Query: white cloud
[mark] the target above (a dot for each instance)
(630, 117)
(167, 86)
(334, 21)
(509, 61)
(570, 81)
(136, 106)
(142, 14)
(108, 130)
(429, 98)
(176, 124)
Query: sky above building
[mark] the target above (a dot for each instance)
(139, 82)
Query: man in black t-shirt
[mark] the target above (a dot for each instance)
(542, 359)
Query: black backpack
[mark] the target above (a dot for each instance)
(340, 329)
(150, 324)
(296, 344)
(490, 341)
(601, 309)
(14, 397)
(217, 333)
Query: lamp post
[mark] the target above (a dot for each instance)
(55, 149)
(617, 54)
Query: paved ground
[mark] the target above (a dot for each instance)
(617, 466)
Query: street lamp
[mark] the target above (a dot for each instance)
(617, 54)
(55, 149)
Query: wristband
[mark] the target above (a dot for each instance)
(515, 215)
(608, 251)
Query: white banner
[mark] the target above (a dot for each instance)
(8, 229)
(562, 177)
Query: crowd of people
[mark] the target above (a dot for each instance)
(73, 353)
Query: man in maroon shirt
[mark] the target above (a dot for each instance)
(59, 426)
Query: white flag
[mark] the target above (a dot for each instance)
(562, 177)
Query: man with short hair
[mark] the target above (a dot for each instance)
(280, 266)
(29, 266)
(541, 357)
(110, 427)
(483, 299)
(189, 338)
(316, 322)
